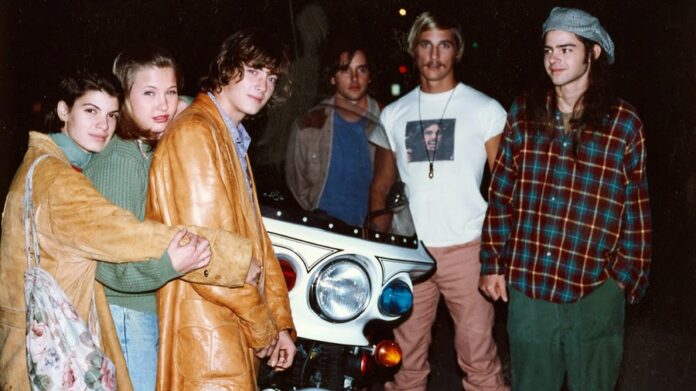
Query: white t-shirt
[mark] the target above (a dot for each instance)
(447, 209)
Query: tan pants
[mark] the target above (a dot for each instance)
(457, 275)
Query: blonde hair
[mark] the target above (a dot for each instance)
(428, 21)
(126, 66)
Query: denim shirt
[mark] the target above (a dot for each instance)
(241, 140)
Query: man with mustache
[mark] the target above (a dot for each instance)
(442, 134)
(567, 234)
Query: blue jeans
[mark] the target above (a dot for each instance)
(139, 338)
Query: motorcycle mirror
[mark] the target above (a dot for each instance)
(396, 197)
(395, 201)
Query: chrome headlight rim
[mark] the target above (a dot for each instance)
(323, 312)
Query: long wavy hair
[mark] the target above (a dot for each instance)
(590, 109)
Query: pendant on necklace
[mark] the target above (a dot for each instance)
(430, 173)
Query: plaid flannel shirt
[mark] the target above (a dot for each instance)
(559, 222)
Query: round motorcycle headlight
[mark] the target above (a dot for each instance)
(342, 290)
(396, 298)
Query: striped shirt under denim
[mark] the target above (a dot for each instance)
(561, 220)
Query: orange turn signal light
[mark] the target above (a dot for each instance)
(387, 353)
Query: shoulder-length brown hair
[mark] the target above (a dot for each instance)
(592, 107)
(254, 48)
(126, 66)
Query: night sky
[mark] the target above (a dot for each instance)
(655, 71)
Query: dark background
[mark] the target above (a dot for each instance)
(655, 71)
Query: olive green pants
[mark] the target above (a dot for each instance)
(583, 340)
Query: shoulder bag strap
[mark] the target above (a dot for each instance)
(31, 242)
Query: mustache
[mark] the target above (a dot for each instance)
(434, 64)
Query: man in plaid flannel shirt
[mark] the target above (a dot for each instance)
(567, 231)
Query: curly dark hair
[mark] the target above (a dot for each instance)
(254, 48)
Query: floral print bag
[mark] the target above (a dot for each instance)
(62, 351)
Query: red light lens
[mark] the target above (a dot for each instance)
(289, 273)
(364, 364)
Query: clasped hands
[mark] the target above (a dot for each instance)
(280, 352)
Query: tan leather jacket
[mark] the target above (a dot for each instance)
(207, 334)
(308, 155)
(77, 225)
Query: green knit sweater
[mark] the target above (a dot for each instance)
(120, 173)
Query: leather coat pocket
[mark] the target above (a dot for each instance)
(209, 344)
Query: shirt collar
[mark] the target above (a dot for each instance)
(228, 121)
(239, 133)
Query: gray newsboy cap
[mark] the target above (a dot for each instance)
(581, 23)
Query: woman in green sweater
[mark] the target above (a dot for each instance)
(150, 79)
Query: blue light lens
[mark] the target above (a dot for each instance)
(396, 298)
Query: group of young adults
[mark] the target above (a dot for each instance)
(565, 235)
(146, 208)
(221, 299)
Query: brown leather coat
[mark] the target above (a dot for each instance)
(77, 225)
(207, 334)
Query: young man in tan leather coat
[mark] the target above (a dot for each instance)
(212, 337)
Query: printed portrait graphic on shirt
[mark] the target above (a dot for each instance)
(430, 140)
